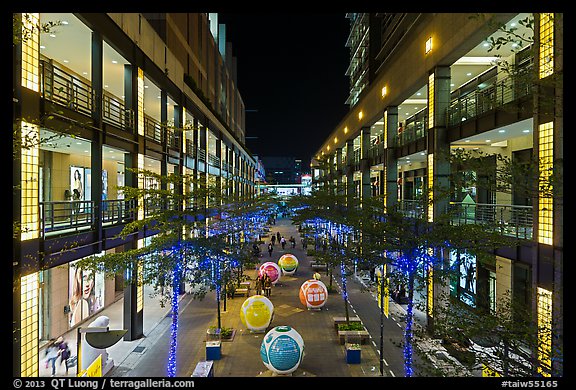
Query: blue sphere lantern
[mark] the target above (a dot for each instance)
(282, 349)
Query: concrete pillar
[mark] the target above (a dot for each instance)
(391, 164)
(365, 185)
(349, 170)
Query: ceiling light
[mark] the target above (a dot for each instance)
(84, 73)
(467, 140)
(42, 47)
(501, 131)
(64, 22)
(488, 140)
(451, 85)
(525, 131)
(486, 44)
(468, 74)
(53, 35)
(114, 61)
(66, 61)
(418, 94)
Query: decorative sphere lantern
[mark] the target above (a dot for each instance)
(256, 313)
(282, 349)
(272, 269)
(313, 294)
(288, 264)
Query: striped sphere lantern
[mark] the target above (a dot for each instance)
(288, 264)
(272, 269)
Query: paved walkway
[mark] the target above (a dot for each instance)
(324, 355)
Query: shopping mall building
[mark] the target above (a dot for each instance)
(422, 85)
(96, 95)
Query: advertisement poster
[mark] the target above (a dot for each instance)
(85, 293)
(77, 182)
(464, 286)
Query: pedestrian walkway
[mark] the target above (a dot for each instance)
(324, 356)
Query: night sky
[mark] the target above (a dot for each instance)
(291, 76)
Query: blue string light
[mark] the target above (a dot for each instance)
(174, 328)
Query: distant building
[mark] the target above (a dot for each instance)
(282, 170)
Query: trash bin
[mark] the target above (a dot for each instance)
(353, 354)
(213, 351)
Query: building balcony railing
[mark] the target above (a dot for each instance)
(115, 112)
(58, 86)
(118, 211)
(510, 220)
(495, 93)
(66, 216)
(411, 208)
(68, 90)
(213, 160)
(59, 217)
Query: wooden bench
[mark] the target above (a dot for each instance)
(318, 266)
(241, 291)
(353, 336)
(342, 320)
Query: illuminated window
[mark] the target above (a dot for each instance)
(29, 325)
(545, 206)
(546, 46)
(360, 115)
(29, 217)
(430, 188)
(429, 45)
(544, 331)
(30, 51)
(346, 130)
(140, 101)
(384, 91)
(431, 101)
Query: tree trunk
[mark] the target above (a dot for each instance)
(408, 333)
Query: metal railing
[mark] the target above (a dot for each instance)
(115, 112)
(201, 154)
(414, 130)
(118, 211)
(411, 208)
(495, 94)
(510, 220)
(213, 160)
(65, 89)
(152, 129)
(64, 215)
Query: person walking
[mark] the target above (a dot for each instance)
(268, 285)
(293, 242)
(64, 352)
(258, 285)
(270, 249)
(274, 239)
(278, 236)
(52, 353)
(283, 242)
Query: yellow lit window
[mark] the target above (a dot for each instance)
(430, 187)
(29, 325)
(431, 101)
(429, 45)
(29, 218)
(30, 51)
(546, 45)
(545, 206)
(140, 101)
(544, 331)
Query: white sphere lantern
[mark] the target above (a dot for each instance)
(282, 349)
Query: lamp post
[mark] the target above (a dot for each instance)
(100, 337)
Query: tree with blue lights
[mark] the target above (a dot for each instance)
(181, 222)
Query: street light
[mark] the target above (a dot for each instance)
(99, 337)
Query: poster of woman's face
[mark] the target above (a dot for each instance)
(86, 293)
